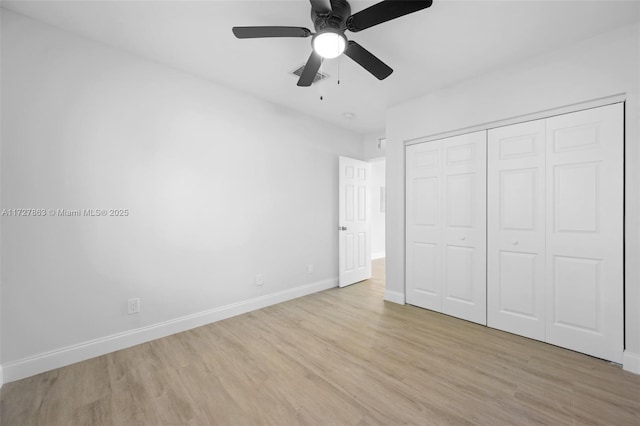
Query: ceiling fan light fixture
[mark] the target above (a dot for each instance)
(329, 44)
(331, 18)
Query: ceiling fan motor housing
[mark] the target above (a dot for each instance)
(335, 19)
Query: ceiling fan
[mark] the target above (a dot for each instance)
(331, 18)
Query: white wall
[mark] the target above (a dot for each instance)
(378, 217)
(220, 186)
(603, 66)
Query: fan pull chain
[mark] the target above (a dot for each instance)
(339, 62)
(321, 72)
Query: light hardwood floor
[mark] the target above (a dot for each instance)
(340, 357)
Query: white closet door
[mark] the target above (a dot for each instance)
(464, 183)
(516, 229)
(584, 231)
(424, 228)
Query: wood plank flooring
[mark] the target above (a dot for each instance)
(339, 357)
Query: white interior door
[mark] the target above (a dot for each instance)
(585, 231)
(354, 221)
(516, 229)
(446, 226)
(424, 227)
(464, 184)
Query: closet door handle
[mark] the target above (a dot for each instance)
(514, 242)
(464, 237)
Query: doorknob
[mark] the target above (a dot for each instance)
(464, 237)
(342, 228)
(515, 242)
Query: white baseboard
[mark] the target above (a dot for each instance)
(378, 255)
(631, 362)
(40, 363)
(394, 296)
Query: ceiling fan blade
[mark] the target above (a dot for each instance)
(321, 6)
(264, 32)
(310, 70)
(367, 60)
(384, 11)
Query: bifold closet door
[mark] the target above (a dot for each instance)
(464, 237)
(555, 224)
(446, 226)
(584, 238)
(516, 229)
(424, 225)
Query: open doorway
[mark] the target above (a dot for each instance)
(378, 213)
(361, 218)
(378, 208)
(375, 147)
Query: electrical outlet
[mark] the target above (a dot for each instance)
(133, 306)
(310, 268)
(259, 279)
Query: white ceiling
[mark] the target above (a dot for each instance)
(451, 41)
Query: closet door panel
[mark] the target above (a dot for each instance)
(424, 228)
(464, 227)
(516, 229)
(585, 231)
